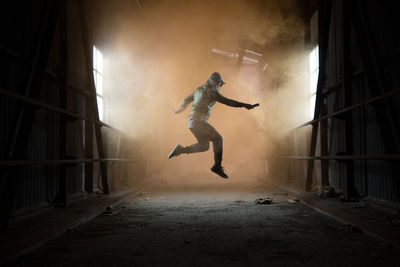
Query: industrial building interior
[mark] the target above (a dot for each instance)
(88, 90)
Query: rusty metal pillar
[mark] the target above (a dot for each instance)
(324, 19)
(88, 137)
(324, 147)
(92, 89)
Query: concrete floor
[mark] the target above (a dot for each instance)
(212, 226)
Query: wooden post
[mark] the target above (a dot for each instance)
(92, 90)
(324, 19)
(88, 147)
(324, 147)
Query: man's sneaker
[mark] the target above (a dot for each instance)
(176, 151)
(219, 170)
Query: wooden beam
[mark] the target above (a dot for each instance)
(333, 88)
(35, 103)
(372, 100)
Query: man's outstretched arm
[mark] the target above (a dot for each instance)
(184, 104)
(233, 103)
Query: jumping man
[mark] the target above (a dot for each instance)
(204, 99)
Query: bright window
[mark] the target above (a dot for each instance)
(98, 80)
(313, 74)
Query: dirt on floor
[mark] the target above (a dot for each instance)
(173, 225)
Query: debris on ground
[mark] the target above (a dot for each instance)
(354, 229)
(293, 200)
(108, 211)
(280, 193)
(263, 201)
(362, 204)
(239, 201)
(343, 198)
(328, 191)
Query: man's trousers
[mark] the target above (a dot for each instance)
(205, 133)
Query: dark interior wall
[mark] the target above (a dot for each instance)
(19, 35)
(369, 124)
(20, 32)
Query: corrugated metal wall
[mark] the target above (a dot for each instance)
(372, 177)
(40, 183)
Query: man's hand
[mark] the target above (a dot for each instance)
(249, 106)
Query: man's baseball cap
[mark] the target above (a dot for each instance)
(215, 76)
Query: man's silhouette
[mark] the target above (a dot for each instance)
(204, 99)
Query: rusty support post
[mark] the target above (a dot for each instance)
(324, 148)
(88, 135)
(92, 90)
(324, 19)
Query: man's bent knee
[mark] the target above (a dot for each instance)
(204, 147)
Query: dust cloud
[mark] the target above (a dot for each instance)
(156, 56)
